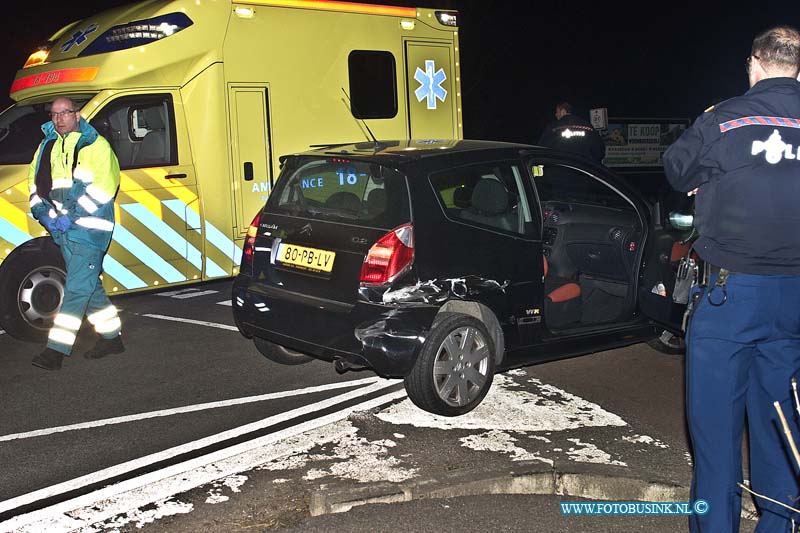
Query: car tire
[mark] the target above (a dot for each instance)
(668, 343)
(32, 287)
(280, 354)
(455, 367)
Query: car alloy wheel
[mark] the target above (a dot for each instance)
(455, 368)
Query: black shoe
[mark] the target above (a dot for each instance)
(49, 359)
(105, 347)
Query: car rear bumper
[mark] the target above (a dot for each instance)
(384, 338)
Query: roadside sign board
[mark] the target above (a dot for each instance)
(640, 142)
(599, 118)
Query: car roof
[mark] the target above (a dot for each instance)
(404, 151)
(399, 153)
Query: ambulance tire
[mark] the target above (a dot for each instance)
(668, 343)
(32, 282)
(280, 354)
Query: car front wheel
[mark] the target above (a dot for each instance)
(455, 367)
(31, 289)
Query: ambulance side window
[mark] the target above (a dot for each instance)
(141, 130)
(373, 88)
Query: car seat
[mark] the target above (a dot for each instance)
(489, 205)
(345, 201)
(153, 150)
(562, 303)
(376, 202)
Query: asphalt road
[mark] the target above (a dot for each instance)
(252, 443)
(167, 365)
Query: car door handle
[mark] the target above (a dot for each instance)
(593, 254)
(174, 176)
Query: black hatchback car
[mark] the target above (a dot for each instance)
(443, 262)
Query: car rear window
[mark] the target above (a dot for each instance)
(341, 190)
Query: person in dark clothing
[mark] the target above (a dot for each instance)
(741, 160)
(570, 133)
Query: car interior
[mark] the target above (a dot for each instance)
(590, 240)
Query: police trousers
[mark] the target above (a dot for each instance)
(83, 295)
(741, 357)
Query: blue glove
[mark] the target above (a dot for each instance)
(48, 222)
(62, 223)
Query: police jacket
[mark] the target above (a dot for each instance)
(574, 134)
(744, 156)
(76, 175)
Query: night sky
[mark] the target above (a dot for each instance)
(645, 59)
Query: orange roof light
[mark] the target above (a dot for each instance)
(332, 5)
(39, 57)
(66, 75)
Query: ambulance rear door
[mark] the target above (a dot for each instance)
(431, 74)
(251, 151)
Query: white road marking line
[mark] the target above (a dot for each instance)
(190, 321)
(182, 294)
(193, 294)
(229, 303)
(135, 464)
(2, 331)
(170, 294)
(187, 409)
(155, 486)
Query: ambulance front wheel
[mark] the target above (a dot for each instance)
(32, 281)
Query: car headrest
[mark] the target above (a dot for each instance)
(153, 118)
(490, 197)
(461, 197)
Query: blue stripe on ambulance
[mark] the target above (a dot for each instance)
(122, 275)
(213, 235)
(147, 256)
(9, 232)
(165, 233)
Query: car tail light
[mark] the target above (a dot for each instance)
(248, 251)
(389, 257)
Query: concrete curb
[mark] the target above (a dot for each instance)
(533, 480)
(590, 483)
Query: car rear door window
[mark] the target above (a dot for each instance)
(342, 190)
(491, 195)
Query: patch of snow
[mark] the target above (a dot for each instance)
(589, 453)
(499, 441)
(551, 409)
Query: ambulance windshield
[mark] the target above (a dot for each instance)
(21, 131)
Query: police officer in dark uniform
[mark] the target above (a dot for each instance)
(571, 133)
(742, 160)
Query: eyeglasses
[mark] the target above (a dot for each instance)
(748, 62)
(61, 114)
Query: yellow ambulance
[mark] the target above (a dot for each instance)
(198, 98)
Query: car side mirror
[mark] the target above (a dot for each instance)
(680, 220)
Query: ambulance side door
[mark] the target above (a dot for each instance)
(157, 240)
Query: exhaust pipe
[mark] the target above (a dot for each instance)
(342, 366)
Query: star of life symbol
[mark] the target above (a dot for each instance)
(430, 84)
(774, 149)
(78, 38)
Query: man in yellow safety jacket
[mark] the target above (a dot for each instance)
(73, 179)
